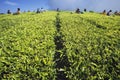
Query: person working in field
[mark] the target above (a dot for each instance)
(38, 10)
(18, 12)
(85, 10)
(57, 10)
(104, 12)
(42, 10)
(78, 10)
(109, 13)
(8, 12)
(117, 13)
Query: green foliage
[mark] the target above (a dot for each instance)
(91, 43)
(93, 52)
(27, 46)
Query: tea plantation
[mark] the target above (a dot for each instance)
(59, 46)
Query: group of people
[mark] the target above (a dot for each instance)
(117, 13)
(40, 10)
(18, 12)
(77, 11)
(104, 12)
(110, 13)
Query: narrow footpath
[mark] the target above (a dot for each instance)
(60, 57)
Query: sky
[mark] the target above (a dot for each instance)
(25, 5)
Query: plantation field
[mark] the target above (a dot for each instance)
(59, 46)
